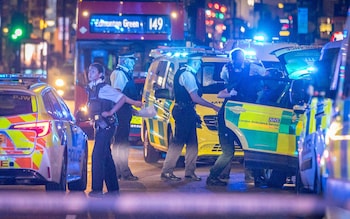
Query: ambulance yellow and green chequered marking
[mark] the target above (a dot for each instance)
(264, 128)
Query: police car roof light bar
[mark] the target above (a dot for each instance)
(183, 51)
(21, 78)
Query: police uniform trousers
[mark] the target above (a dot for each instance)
(103, 168)
(121, 141)
(185, 133)
(222, 164)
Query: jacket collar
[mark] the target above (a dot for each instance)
(94, 83)
(123, 68)
(191, 69)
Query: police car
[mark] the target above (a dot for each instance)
(324, 158)
(311, 145)
(40, 144)
(157, 132)
(268, 128)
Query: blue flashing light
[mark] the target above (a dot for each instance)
(250, 54)
(311, 69)
(177, 54)
(259, 38)
(20, 77)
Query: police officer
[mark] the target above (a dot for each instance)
(104, 101)
(187, 94)
(239, 86)
(122, 80)
(234, 74)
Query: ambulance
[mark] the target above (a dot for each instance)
(311, 145)
(334, 162)
(157, 132)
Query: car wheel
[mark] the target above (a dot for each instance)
(80, 185)
(62, 185)
(269, 177)
(276, 178)
(299, 187)
(149, 153)
(318, 182)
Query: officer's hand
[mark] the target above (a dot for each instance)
(138, 104)
(223, 94)
(105, 114)
(233, 92)
(216, 108)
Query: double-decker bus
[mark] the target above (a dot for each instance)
(107, 29)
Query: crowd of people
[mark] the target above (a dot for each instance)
(110, 105)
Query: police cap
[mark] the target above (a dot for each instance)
(128, 56)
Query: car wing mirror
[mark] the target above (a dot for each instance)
(298, 109)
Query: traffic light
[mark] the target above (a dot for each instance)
(16, 33)
(19, 28)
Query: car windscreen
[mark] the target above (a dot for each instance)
(299, 61)
(15, 103)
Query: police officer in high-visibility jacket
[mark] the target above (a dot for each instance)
(187, 93)
(104, 101)
(122, 80)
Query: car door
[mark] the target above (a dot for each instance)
(77, 151)
(157, 125)
(267, 125)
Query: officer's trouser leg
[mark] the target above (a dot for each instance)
(173, 154)
(227, 147)
(121, 147)
(191, 153)
(111, 174)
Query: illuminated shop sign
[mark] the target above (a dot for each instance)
(126, 24)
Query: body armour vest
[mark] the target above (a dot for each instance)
(180, 93)
(97, 105)
(130, 87)
(235, 78)
(129, 90)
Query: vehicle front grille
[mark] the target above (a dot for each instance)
(211, 122)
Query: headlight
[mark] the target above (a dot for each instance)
(84, 109)
(59, 83)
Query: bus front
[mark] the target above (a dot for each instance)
(108, 29)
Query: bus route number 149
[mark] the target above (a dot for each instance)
(156, 23)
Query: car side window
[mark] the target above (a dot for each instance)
(52, 105)
(160, 74)
(169, 84)
(274, 92)
(65, 110)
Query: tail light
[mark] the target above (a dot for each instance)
(41, 128)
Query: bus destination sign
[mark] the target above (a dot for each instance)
(127, 24)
